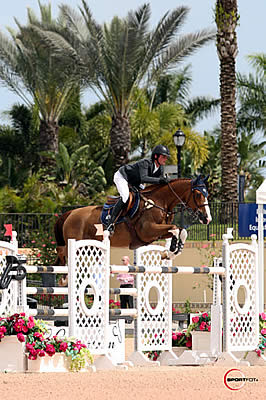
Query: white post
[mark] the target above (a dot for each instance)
(216, 312)
(71, 285)
(14, 242)
(261, 257)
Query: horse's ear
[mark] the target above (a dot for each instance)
(205, 180)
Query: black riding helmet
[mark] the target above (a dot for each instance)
(158, 150)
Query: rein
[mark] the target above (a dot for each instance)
(195, 214)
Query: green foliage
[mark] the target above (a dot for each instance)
(180, 339)
(201, 322)
(18, 155)
(43, 247)
(187, 308)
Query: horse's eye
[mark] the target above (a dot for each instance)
(198, 195)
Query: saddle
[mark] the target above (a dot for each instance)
(130, 210)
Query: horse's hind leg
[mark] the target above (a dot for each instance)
(61, 260)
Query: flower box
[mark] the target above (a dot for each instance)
(201, 340)
(12, 355)
(57, 363)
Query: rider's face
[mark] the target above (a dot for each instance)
(162, 159)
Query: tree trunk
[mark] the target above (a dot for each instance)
(48, 141)
(120, 140)
(226, 20)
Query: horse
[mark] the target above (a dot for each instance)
(152, 221)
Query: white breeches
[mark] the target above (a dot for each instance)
(122, 186)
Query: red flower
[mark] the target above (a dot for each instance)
(50, 350)
(202, 326)
(195, 320)
(205, 315)
(31, 322)
(63, 346)
(21, 337)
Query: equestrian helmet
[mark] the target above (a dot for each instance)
(158, 150)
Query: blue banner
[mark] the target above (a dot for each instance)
(248, 219)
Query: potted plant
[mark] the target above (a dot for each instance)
(56, 354)
(24, 339)
(181, 341)
(14, 331)
(200, 329)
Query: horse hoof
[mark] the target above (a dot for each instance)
(164, 255)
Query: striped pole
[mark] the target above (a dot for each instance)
(115, 269)
(123, 312)
(64, 291)
(53, 269)
(49, 312)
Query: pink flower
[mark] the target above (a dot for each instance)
(263, 331)
(29, 347)
(195, 320)
(50, 350)
(32, 357)
(189, 342)
(205, 315)
(209, 328)
(213, 253)
(33, 241)
(205, 246)
(202, 326)
(174, 337)
(263, 316)
(63, 346)
(2, 329)
(39, 336)
(41, 353)
(31, 322)
(21, 337)
(18, 325)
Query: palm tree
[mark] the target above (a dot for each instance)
(252, 96)
(28, 67)
(226, 18)
(126, 55)
(175, 88)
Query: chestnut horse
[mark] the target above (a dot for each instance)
(152, 221)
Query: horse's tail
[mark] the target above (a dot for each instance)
(58, 228)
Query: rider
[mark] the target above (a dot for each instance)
(143, 171)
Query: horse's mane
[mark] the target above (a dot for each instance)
(155, 187)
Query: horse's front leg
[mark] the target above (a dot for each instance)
(177, 243)
(155, 231)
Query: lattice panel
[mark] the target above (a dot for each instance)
(8, 297)
(154, 326)
(91, 272)
(241, 299)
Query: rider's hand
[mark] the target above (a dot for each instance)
(163, 179)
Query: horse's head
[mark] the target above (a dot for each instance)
(198, 201)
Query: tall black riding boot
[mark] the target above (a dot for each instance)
(115, 213)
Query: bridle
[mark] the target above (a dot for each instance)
(195, 214)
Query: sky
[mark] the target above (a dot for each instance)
(251, 34)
